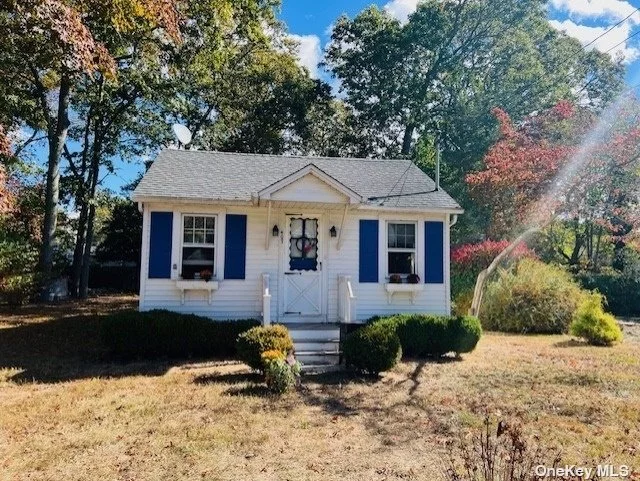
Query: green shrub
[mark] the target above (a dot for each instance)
(621, 291)
(253, 343)
(430, 335)
(465, 332)
(595, 325)
(532, 297)
(372, 349)
(281, 376)
(18, 289)
(160, 333)
(462, 302)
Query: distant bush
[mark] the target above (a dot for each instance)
(429, 335)
(372, 349)
(531, 297)
(258, 340)
(160, 333)
(18, 283)
(18, 289)
(281, 375)
(622, 292)
(468, 260)
(595, 325)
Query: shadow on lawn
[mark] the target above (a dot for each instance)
(64, 349)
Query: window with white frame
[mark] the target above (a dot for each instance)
(198, 246)
(401, 248)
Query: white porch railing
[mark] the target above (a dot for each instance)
(266, 301)
(346, 300)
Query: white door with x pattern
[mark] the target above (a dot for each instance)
(303, 266)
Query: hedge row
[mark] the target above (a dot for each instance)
(429, 335)
(378, 346)
(160, 333)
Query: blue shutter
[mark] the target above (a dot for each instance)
(368, 251)
(160, 241)
(434, 252)
(235, 246)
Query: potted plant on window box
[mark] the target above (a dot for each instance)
(413, 279)
(395, 279)
(206, 275)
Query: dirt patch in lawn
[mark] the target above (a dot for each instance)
(65, 413)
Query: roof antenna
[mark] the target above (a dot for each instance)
(438, 154)
(183, 134)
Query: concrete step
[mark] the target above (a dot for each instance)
(331, 345)
(328, 333)
(318, 358)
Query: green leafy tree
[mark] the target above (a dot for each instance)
(47, 48)
(121, 234)
(439, 75)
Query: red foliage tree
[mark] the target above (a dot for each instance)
(565, 163)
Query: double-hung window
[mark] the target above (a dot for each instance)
(198, 245)
(401, 248)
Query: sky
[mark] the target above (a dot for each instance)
(310, 22)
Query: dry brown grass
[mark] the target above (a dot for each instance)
(66, 413)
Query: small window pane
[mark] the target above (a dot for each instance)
(188, 222)
(209, 237)
(199, 222)
(295, 249)
(210, 222)
(311, 228)
(296, 228)
(198, 237)
(401, 262)
(188, 235)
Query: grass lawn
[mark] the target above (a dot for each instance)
(67, 414)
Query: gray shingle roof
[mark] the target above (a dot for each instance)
(222, 176)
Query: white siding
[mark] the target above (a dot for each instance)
(238, 299)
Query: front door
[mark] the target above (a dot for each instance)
(303, 266)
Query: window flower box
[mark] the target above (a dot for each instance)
(412, 289)
(196, 285)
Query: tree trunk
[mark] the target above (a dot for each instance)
(86, 257)
(94, 173)
(407, 140)
(76, 268)
(57, 136)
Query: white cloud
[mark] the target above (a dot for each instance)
(309, 52)
(599, 9)
(401, 9)
(616, 36)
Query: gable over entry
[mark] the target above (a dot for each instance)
(310, 185)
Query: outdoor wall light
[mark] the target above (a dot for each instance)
(333, 231)
(275, 232)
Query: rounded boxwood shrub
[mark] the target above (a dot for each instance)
(253, 343)
(595, 325)
(372, 349)
(161, 333)
(424, 335)
(532, 297)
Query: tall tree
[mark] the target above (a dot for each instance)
(47, 47)
(237, 85)
(439, 75)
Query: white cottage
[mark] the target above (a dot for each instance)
(310, 242)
